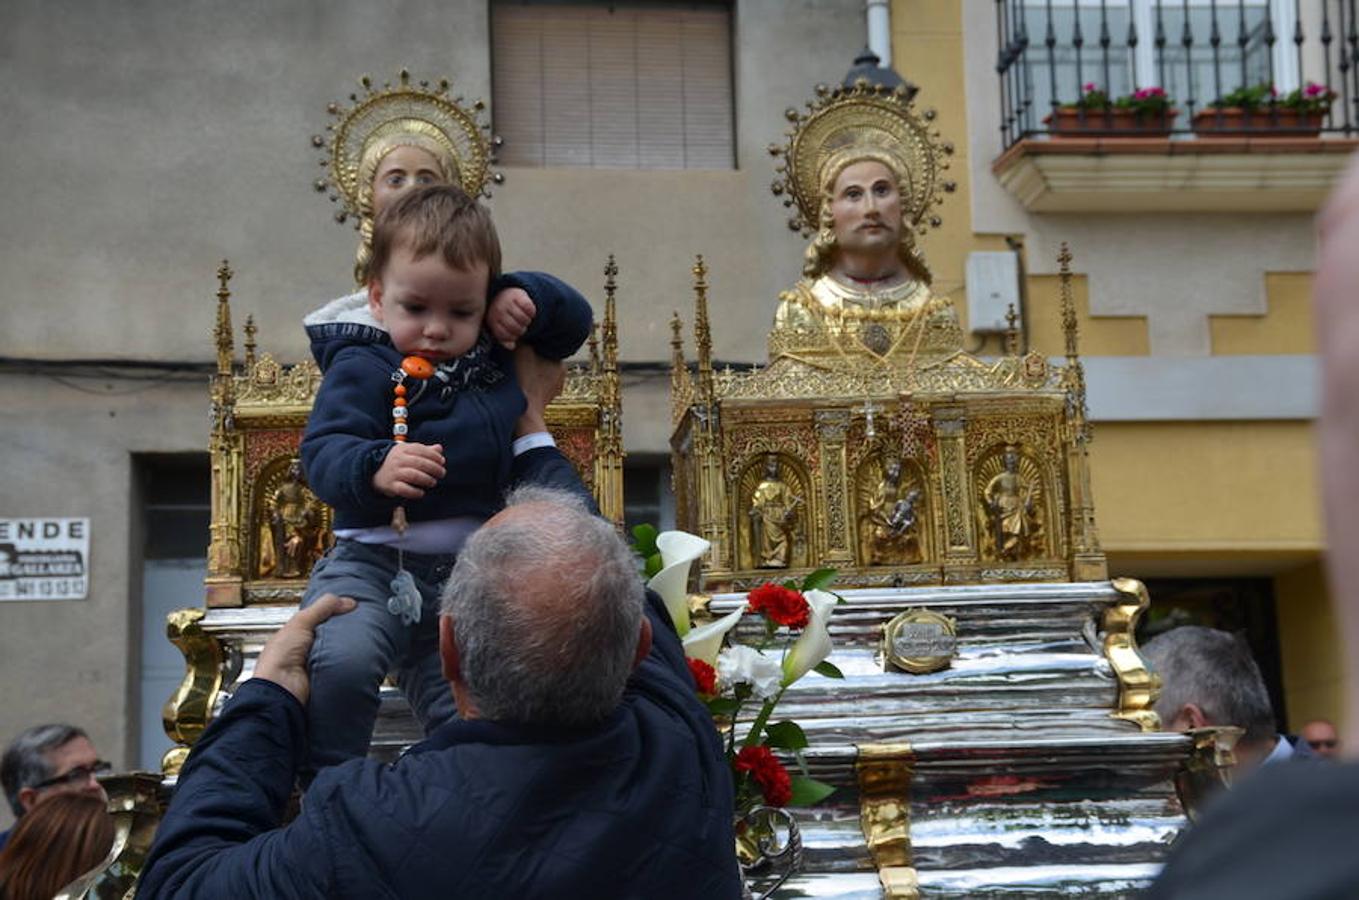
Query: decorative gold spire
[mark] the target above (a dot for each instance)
(222, 333)
(609, 465)
(1011, 332)
(681, 385)
(1069, 323)
(249, 343)
(593, 343)
(703, 338)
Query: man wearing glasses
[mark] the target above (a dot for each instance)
(47, 760)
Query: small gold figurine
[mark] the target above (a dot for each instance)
(1008, 502)
(292, 537)
(773, 512)
(888, 527)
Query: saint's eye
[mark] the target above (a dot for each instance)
(882, 189)
(854, 193)
(424, 178)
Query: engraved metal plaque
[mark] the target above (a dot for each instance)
(920, 641)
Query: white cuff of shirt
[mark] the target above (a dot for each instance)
(533, 441)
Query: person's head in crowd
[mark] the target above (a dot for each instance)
(48, 760)
(1322, 737)
(61, 839)
(1208, 677)
(523, 642)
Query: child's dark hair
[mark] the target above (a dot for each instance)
(440, 218)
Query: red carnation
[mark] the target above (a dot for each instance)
(705, 677)
(781, 605)
(768, 773)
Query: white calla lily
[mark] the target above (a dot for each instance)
(814, 644)
(678, 551)
(705, 641)
(740, 664)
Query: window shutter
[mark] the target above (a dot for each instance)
(613, 86)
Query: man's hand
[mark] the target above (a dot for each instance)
(284, 658)
(508, 316)
(541, 380)
(409, 470)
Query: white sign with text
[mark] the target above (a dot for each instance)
(44, 559)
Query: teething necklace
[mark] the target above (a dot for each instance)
(405, 600)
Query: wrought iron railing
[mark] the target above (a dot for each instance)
(1053, 53)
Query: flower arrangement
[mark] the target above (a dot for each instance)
(736, 679)
(1147, 101)
(1311, 99)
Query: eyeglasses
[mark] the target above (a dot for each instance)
(77, 775)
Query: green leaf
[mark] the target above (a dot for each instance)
(654, 564)
(790, 583)
(785, 735)
(838, 599)
(819, 580)
(645, 535)
(809, 791)
(828, 668)
(723, 706)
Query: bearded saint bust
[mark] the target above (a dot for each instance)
(865, 286)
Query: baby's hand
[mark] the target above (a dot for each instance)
(509, 316)
(409, 470)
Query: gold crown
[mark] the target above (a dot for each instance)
(423, 112)
(853, 122)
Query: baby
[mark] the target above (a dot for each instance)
(436, 437)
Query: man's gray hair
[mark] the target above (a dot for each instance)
(1215, 671)
(25, 763)
(547, 610)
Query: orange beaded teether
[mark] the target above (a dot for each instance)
(417, 367)
(413, 367)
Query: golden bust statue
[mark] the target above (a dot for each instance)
(862, 171)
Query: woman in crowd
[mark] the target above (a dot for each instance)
(55, 843)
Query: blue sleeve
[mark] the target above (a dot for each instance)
(349, 434)
(547, 467)
(220, 836)
(562, 319)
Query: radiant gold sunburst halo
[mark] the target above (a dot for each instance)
(854, 122)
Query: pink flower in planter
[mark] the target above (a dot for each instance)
(1089, 86)
(1313, 89)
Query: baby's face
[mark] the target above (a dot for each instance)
(429, 308)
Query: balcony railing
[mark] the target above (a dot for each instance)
(1052, 53)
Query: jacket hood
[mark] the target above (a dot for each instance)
(341, 322)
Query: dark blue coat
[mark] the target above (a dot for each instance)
(471, 409)
(639, 806)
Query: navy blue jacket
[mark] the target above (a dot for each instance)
(638, 806)
(470, 407)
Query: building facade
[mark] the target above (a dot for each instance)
(147, 142)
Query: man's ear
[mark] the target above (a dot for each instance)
(448, 651)
(1186, 717)
(643, 642)
(375, 298)
(28, 797)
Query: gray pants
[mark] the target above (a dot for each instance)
(353, 653)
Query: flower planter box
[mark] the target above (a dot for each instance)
(1072, 122)
(1237, 121)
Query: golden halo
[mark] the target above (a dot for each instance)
(426, 110)
(865, 120)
